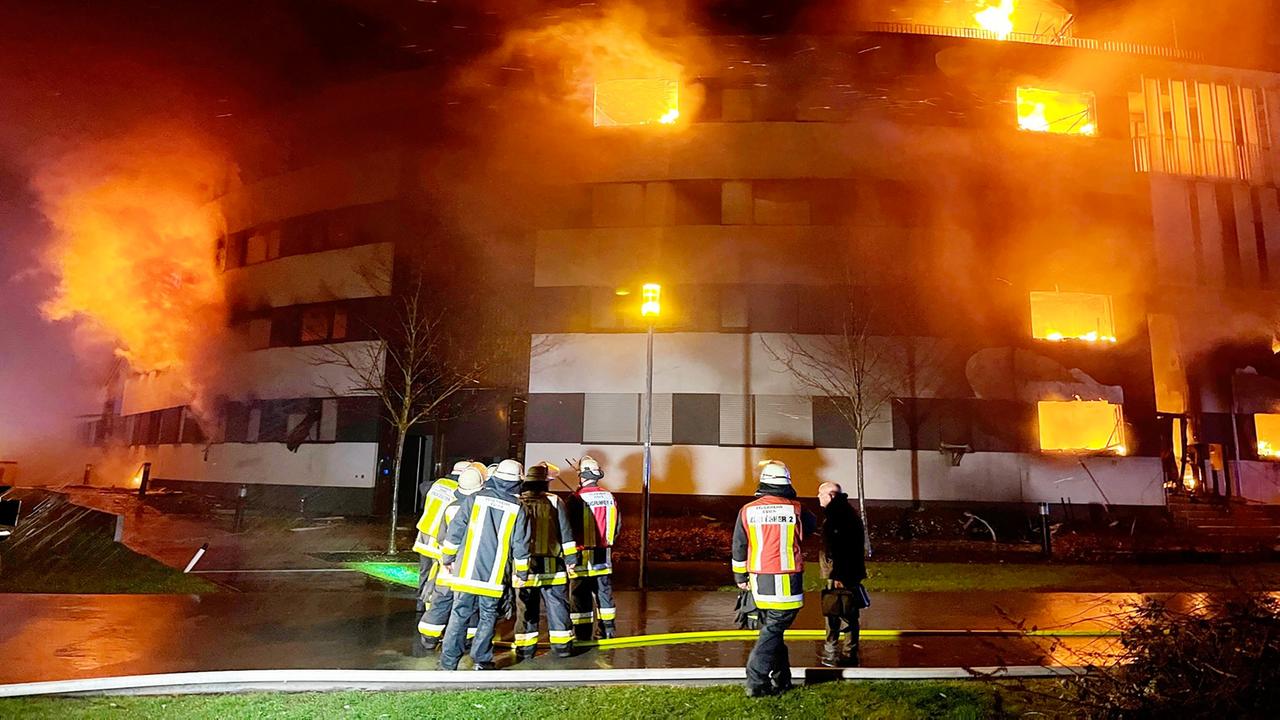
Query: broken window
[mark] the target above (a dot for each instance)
(1052, 111)
(636, 101)
(1081, 426)
(1059, 316)
(317, 323)
(1267, 426)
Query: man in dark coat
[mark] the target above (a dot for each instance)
(844, 567)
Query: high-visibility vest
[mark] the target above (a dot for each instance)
(431, 524)
(774, 532)
(490, 528)
(594, 514)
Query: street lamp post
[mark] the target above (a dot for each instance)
(650, 308)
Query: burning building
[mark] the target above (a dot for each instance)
(1057, 246)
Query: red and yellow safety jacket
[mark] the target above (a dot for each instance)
(593, 512)
(767, 551)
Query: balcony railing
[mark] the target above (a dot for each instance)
(1042, 39)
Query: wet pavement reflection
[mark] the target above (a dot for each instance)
(45, 637)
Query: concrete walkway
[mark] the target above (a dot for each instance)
(55, 637)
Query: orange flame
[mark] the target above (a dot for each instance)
(133, 247)
(613, 71)
(996, 19)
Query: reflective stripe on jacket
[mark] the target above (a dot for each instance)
(432, 524)
(551, 543)
(767, 537)
(489, 528)
(778, 592)
(596, 523)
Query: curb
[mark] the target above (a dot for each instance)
(300, 680)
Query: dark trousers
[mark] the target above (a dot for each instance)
(424, 578)
(769, 665)
(529, 602)
(464, 605)
(842, 637)
(593, 593)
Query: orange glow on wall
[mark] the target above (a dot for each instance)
(1059, 316)
(1081, 426)
(1267, 428)
(1060, 113)
(641, 101)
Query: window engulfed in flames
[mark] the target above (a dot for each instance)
(636, 101)
(1059, 316)
(1268, 431)
(1061, 113)
(1081, 426)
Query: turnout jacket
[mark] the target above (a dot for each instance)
(551, 545)
(767, 550)
(596, 523)
(441, 493)
(487, 540)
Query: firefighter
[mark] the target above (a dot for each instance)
(767, 560)
(593, 513)
(436, 495)
(487, 542)
(553, 554)
(439, 599)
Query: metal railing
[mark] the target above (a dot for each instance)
(1060, 40)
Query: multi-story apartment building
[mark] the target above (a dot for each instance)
(1064, 242)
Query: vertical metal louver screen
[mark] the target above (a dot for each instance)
(735, 419)
(661, 418)
(612, 418)
(783, 420)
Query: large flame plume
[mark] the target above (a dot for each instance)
(607, 54)
(133, 247)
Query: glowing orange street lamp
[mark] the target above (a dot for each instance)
(650, 308)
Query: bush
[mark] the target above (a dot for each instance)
(1215, 659)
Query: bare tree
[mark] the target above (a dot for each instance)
(858, 370)
(416, 366)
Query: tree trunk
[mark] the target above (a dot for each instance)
(396, 462)
(862, 497)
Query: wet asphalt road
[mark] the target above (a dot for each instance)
(48, 637)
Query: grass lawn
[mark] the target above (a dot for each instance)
(1177, 577)
(120, 571)
(884, 700)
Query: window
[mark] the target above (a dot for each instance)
(1061, 113)
(1187, 127)
(1059, 316)
(636, 101)
(323, 324)
(262, 245)
(1267, 427)
(1081, 426)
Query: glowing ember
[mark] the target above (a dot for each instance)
(133, 247)
(996, 19)
(1267, 427)
(1084, 317)
(636, 102)
(1050, 111)
(1081, 426)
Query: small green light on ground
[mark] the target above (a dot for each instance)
(396, 573)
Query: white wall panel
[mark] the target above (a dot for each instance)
(1171, 218)
(1260, 481)
(981, 477)
(341, 274)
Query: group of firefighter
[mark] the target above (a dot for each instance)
(496, 541)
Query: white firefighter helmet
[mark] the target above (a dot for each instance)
(775, 473)
(471, 480)
(509, 471)
(589, 470)
(460, 466)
